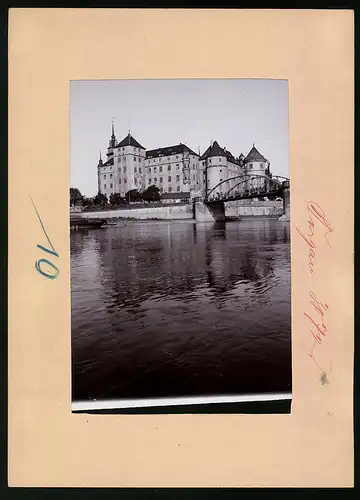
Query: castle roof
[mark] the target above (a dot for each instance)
(169, 150)
(216, 150)
(129, 141)
(254, 155)
(109, 162)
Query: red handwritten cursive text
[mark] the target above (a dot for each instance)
(318, 329)
(315, 213)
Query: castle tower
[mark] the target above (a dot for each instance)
(255, 163)
(100, 164)
(129, 163)
(112, 142)
(220, 171)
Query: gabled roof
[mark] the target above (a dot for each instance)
(109, 162)
(169, 150)
(129, 141)
(216, 150)
(254, 155)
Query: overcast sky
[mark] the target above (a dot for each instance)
(236, 113)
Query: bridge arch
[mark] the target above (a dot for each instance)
(247, 178)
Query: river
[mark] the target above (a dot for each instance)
(163, 309)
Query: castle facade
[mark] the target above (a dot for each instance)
(175, 170)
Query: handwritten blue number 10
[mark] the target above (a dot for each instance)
(39, 262)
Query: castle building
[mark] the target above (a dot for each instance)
(172, 169)
(175, 170)
(220, 168)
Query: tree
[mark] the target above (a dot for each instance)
(116, 199)
(75, 196)
(100, 199)
(152, 193)
(87, 202)
(133, 195)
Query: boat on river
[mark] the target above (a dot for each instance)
(77, 222)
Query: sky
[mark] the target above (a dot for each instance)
(160, 113)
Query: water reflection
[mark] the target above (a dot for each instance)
(147, 295)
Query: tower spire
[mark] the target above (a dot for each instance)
(112, 142)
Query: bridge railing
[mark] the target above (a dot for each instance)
(249, 186)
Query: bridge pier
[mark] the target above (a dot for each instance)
(209, 212)
(286, 202)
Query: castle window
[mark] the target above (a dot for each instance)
(220, 169)
(161, 179)
(220, 159)
(149, 182)
(122, 149)
(178, 188)
(155, 169)
(193, 167)
(119, 181)
(193, 177)
(177, 164)
(104, 186)
(104, 176)
(111, 185)
(134, 158)
(124, 170)
(178, 178)
(262, 165)
(155, 179)
(139, 170)
(110, 176)
(250, 165)
(160, 169)
(169, 167)
(170, 189)
(169, 178)
(135, 169)
(149, 170)
(124, 159)
(209, 161)
(125, 180)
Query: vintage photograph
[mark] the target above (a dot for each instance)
(179, 242)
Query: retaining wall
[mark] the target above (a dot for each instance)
(254, 208)
(161, 213)
(240, 208)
